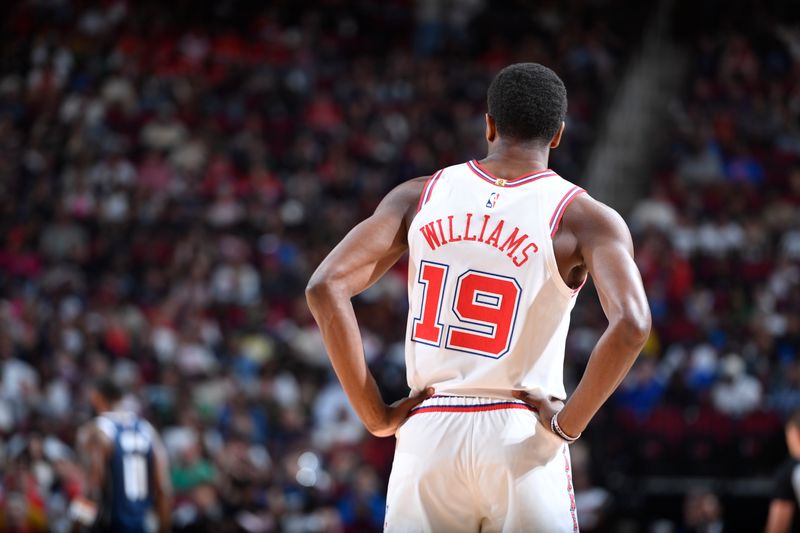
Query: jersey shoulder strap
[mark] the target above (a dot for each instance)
(430, 185)
(555, 195)
(107, 426)
(144, 428)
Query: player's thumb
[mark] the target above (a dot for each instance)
(527, 398)
(418, 398)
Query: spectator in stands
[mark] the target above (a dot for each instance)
(167, 186)
(736, 393)
(702, 513)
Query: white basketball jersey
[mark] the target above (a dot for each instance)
(488, 311)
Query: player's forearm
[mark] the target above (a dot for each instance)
(164, 506)
(165, 517)
(609, 363)
(94, 473)
(332, 309)
(780, 516)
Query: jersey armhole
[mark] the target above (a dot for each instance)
(552, 229)
(107, 427)
(558, 213)
(427, 190)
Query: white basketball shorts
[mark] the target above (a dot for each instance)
(479, 464)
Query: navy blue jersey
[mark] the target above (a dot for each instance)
(128, 491)
(786, 486)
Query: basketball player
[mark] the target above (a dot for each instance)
(126, 467)
(786, 493)
(499, 248)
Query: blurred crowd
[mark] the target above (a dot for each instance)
(170, 175)
(719, 250)
(718, 245)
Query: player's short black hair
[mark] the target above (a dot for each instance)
(109, 389)
(528, 102)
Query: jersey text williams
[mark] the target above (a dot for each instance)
(516, 245)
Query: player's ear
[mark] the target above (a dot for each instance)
(556, 140)
(491, 128)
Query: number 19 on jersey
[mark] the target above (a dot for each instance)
(485, 307)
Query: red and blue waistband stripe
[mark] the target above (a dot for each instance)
(494, 406)
(486, 176)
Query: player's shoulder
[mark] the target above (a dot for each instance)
(104, 426)
(403, 199)
(97, 432)
(412, 187)
(586, 207)
(410, 190)
(148, 429)
(587, 216)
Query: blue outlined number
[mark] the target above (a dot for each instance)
(486, 306)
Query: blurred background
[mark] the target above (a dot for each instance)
(172, 172)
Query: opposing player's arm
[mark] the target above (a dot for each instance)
(93, 449)
(780, 516)
(359, 260)
(604, 247)
(784, 498)
(162, 487)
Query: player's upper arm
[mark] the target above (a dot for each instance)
(160, 459)
(371, 247)
(606, 248)
(161, 464)
(94, 450)
(780, 516)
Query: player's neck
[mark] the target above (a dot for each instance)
(508, 160)
(115, 409)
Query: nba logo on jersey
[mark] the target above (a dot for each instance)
(492, 199)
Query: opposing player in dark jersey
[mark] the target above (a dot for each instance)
(786, 491)
(128, 489)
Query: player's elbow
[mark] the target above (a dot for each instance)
(315, 291)
(321, 287)
(378, 430)
(635, 324)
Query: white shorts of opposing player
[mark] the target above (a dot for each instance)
(479, 464)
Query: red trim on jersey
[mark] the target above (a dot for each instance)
(433, 184)
(485, 175)
(428, 189)
(555, 220)
(570, 492)
(478, 172)
(471, 408)
(577, 289)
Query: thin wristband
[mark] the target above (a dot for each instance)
(555, 428)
